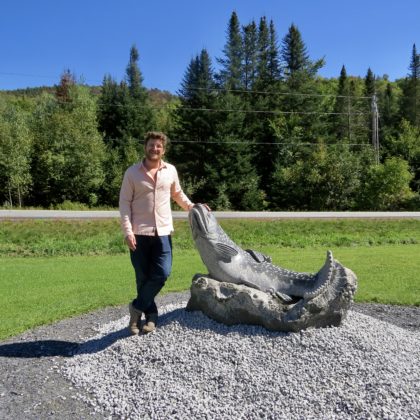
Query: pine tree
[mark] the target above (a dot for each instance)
(197, 92)
(415, 64)
(298, 122)
(110, 115)
(263, 63)
(369, 89)
(273, 57)
(411, 91)
(340, 118)
(231, 74)
(124, 111)
(295, 57)
(389, 112)
(257, 126)
(294, 53)
(388, 109)
(124, 116)
(341, 107)
(300, 86)
(133, 75)
(195, 125)
(138, 113)
(250, 39)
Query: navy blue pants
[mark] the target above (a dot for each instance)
(152, 262)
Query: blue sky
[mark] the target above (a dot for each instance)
(40, 39)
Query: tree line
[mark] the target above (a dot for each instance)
(262, 132)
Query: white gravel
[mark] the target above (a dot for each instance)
(193, 367)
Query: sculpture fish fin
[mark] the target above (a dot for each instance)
(226, 252)
(258, 257)
(279, 295)
(284, 297)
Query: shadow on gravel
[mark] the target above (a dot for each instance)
(50, 348)
(190, 320)
(196, 320)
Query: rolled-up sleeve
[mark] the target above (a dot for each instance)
(178, 195)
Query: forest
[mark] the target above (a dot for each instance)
(255, 129)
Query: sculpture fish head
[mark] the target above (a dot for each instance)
(213, 244)
(203, 223)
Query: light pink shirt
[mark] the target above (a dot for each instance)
(145, 204)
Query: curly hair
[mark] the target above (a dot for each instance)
(151, 135)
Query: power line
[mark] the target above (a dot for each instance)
(227, 110)
(244, 111)
(279, 93)
(40, 76)
(26, 75)
(215, 89)
(254, 111)
(251, 143)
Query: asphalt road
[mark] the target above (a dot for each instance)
(65, 214)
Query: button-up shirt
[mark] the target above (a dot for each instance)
(145, 201)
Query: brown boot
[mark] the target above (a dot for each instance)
(150, 324)
(135, 316)
(149, 327)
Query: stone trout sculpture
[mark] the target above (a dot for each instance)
(243, 286)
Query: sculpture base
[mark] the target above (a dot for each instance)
(231, 304)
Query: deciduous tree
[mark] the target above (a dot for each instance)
(15, 153)
(68, 150)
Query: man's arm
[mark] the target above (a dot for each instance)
(126, 199)
(178, 195)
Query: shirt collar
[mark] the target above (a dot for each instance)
(142, 167)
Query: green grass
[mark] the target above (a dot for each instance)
(78, 266)
(103, 237)
(37, 291)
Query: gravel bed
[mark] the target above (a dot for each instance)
(88, 367)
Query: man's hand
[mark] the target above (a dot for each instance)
(203, 204)
(130, 240)
(207, 206)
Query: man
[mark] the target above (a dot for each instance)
(146, 220)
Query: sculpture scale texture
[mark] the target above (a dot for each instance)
(244, 287)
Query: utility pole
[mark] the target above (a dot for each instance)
(375, 128)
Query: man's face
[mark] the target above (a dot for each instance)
(154, 149)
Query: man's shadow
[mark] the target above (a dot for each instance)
(50, 348)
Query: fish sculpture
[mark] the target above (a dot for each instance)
(326, 294)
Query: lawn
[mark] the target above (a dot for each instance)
(40, 289)
(38, 238)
